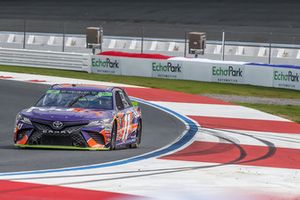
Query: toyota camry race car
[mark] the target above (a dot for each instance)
(80, 117)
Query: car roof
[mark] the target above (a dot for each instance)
(85, 87)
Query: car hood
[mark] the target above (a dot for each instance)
(66, 114)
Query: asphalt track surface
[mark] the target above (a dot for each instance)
(252, 20)
(159, 129)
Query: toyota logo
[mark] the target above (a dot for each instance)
(57, 124)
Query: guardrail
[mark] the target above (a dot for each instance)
(46, 59)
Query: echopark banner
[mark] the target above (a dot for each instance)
(282, 76)
(160, 66)
(108, 65)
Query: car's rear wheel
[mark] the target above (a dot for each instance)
(138, 140)
(113, 137)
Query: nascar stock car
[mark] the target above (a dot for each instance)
(82, 116)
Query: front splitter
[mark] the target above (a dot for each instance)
(60, 147)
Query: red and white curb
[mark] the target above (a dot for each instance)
(238, 152)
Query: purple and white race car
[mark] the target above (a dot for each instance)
(81, 116)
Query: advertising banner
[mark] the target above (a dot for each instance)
(199, 70)
(105, 65)
(167, 69)
(227, 73)
(286, 78)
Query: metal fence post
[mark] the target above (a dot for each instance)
(185, 41)
(24, 36)
(270, 49)
(270, 52)
(101, 36)
(223, 45)
(63, 39)
(142, 41)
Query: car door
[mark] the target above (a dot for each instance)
(124, 116)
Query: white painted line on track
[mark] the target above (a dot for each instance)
(214, 110)
(248, 137)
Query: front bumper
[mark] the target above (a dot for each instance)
(74, 135)
(61, 147)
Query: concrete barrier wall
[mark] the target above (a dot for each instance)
(281, 76)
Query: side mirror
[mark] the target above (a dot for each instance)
(134, 103)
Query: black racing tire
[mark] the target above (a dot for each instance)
(137, 143)
(113, 137)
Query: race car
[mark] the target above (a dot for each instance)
(71, 116)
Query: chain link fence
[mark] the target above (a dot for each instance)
(145, 33)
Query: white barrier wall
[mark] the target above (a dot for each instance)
(258, 75)
(212, 70)
(199, 70)
(281, 76)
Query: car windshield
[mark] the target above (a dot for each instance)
(77, 99)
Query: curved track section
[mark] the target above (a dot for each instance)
(160, 129)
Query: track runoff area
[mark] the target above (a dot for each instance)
(225, 151)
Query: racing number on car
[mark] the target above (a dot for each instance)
(125, 116)
(125, 120)
(127, 127)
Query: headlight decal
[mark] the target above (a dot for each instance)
(106, 123)
(23, 119)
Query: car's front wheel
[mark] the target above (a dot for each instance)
(113, 137)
